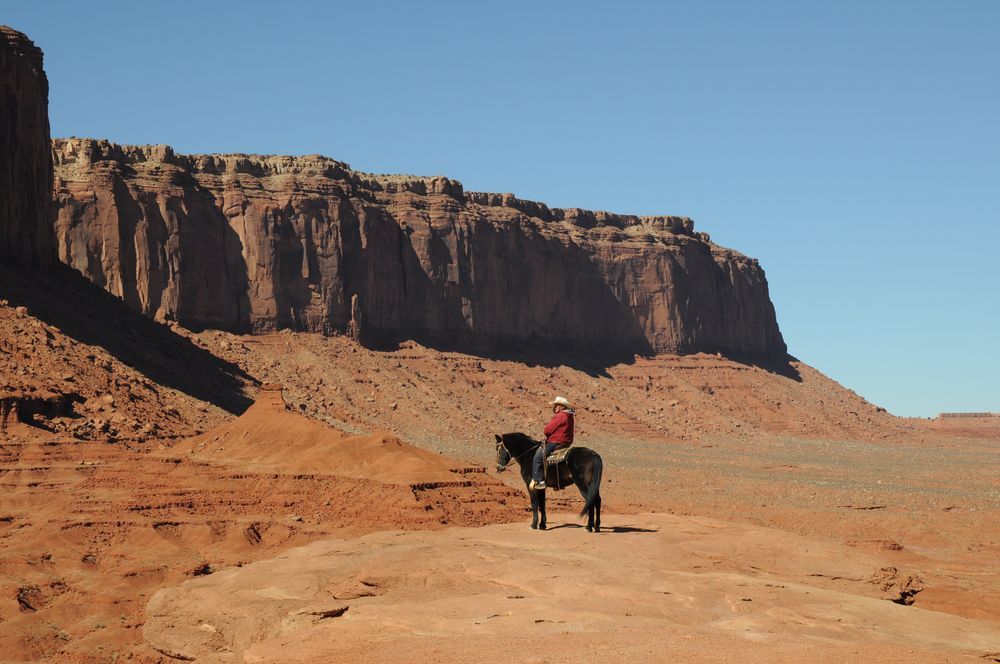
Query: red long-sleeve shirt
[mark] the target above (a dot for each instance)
(559, 430)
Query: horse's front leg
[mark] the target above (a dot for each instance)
(541, 508)
(534, 508)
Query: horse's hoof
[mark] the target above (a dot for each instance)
(597, 529)
(541, 526)
(589, 529)
(534, 527)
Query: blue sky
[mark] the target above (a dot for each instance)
(853, 147)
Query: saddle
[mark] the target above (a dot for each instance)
(552, 462)
(559, 455)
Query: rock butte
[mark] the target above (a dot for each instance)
(25, 158)
(251, 243)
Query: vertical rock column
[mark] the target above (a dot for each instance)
(26, 236)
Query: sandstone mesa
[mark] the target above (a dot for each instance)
(251, 243)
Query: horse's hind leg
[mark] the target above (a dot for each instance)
(590, 515)
(595, 513)
(541, 508)
(590, 512)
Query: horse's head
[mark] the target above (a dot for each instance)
(503, 455)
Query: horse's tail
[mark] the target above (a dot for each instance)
(594, 490)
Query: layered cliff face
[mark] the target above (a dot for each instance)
(252, 244)
(25, 157)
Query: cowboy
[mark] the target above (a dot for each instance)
(558, 434)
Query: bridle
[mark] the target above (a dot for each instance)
(510, 457)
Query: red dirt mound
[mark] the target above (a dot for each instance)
(269, 436)
(89, 530)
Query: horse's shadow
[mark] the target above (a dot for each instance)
(606, 529)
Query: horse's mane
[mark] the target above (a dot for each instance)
(517, 436)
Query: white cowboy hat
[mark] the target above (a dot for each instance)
(561, 401)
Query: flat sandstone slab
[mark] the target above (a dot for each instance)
(651, 587)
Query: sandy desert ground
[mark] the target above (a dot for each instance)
(272, 537)
(650, 588)
(753, 512)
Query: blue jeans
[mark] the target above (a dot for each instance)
(536, 467)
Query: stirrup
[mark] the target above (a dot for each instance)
(537, 485)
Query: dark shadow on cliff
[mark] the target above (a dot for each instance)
(578, 321)
(780, 366)
(209, 246)
(594, 363)
(575, 320)
(63, 298)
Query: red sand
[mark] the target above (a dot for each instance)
(268, 437)
(91, 529)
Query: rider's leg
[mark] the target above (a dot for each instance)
(536, 466)
(537, 469)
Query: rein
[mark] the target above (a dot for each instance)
(512, 458)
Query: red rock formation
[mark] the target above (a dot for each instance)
(255, 243)
(25, 158)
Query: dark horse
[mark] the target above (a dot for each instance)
(582, 467)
